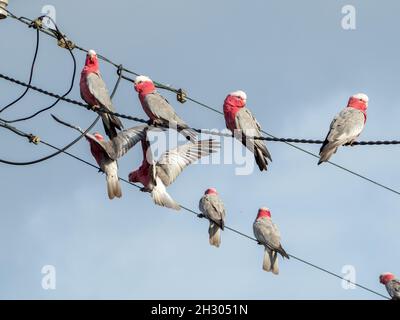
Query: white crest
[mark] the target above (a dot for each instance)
(239, 93)
(142, 79)
(91, 52)
(361, 96)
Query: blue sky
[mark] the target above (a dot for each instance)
(298, 67)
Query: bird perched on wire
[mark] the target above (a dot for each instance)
(95, 93)
(267, 234)
(244, 125)
(106, 153)
(212, 207)
(156, 176)
(158, 108)
(392, 285)
(346, 126)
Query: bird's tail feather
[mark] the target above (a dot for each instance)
(113, 186)
(267, 266)
(111, 123)
(214, 234)
(261, 160)
(326, 152)
(274, 262)
(162, 198)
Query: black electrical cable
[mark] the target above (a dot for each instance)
(30, 75)
(17, 131)
(72, 79)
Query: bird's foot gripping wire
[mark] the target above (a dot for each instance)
(200, 215)
(144, 189)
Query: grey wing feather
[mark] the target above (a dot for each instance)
(99, 90)
(250, 126)
(172, 162)
(346, 126)
(125, 140)
(213, 208)
(394, 289)
(160, 107)
(267, 233)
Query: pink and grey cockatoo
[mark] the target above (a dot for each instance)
(267, 234)
(95, 94)
(392, 285)
(244, 125)
(106, 153)
(158, 108)
(156, 176)
(346, 126)
(212, 207)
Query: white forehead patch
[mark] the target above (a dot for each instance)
(264, 209)
(142, 79)
(361, 96)
(239, 93)
(91, 52)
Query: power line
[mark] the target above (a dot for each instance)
(289, 141)
(36, 24)
(205, 131)
(66, 43)
(26, 135)
(212, 132)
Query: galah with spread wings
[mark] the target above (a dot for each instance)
(95, 93)
(346, 126)
(392, 285)
(158, 108)
(244, 125)
(267, 234)
(106, 153)
(212, 207)
(156, 176)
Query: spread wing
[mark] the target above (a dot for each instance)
(173, 161)
(125, 140)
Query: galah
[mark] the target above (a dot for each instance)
(392, 285)
(268, 235)
(95, 93)
(212, 207)
(346, 126)
(156, 176)
(106, 153)
(244, 125)
(159, 110)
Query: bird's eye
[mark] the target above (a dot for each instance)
(361, 99)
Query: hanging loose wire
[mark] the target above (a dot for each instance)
(30, 75)
(36, 139)
(289, 141)
(37, 25)
(212, 132)
(26, 135)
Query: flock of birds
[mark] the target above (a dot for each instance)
(156, 176)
